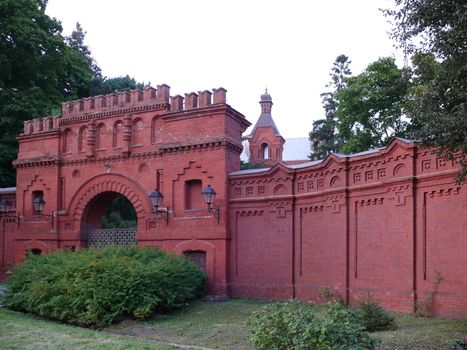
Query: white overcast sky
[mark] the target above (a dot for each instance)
(242, 45)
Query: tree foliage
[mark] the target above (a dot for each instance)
(37, 72)
(436, 33)
(324, 137)
(39, 69)
(94, 77)
(123, 83)
(371, 108)
(95, 83)
(32, 71)
(119, 214)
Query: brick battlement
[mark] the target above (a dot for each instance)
(137, 99)
(40, 125)
(104, 103)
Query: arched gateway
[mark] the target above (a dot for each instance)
(130, 144)
(90, 202)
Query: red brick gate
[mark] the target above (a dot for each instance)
(130, 144)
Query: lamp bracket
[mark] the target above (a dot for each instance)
(162, 214)
(215, 212)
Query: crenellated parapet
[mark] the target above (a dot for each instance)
(41, 125)
(146, 96)
(201, 99)
(115, 101)
(127, 102)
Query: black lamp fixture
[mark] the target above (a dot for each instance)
(38, 204)
(156, 198)
(209, 195)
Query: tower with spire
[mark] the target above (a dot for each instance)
(265, 141)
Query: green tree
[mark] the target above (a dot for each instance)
(37, 72)
(124, 83)
(324, 136)
(119, 214)
(39, 69)
(371, 108)
(438, 105)
(93, 82)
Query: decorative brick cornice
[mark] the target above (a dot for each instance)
(182, 147)
(111, 158)
(362, 164)
(443, 192)
(38, 161)
(250, 212)
(312, 174)
(113, 113)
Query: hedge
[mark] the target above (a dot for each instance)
(96, 287)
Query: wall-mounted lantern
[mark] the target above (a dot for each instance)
(156, 198)
(38, 204)
(5, 207)
(209, 195)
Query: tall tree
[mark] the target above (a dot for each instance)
(324, 136)
(92, 84)
(439, 105)
(371, 108)
(76, 42)
(37, 72)
(39, 69)
(92, 81)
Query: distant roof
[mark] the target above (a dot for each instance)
(249, 171)
(266, 96)
(297, 148)
(7, 190)
(265, 120)
(305, 165)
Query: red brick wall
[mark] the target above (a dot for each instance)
(390, 223)
(387, 223)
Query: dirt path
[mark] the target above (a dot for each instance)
(147, 332)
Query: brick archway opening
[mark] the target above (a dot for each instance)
(103, 224)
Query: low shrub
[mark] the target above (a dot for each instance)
(374, 317)
(95, 287)
(327, 295)
(295, 326)
(460, 344)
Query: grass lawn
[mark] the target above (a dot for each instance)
(415, 333)
(19, 331)
(221, 325)
(215, 325)
(218, 325)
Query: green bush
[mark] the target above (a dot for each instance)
(460, 344)
(297, 326)
(95, 287)
(374, 317)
